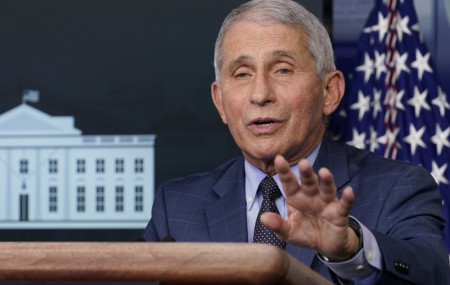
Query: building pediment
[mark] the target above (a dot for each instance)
(26, 120)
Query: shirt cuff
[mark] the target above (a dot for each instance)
(365, 262)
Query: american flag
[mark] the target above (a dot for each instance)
(395, 106)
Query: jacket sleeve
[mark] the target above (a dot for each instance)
(157, 228)
(409, 231)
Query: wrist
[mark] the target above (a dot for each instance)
(356, 228)
(354, 225)
(355, 244)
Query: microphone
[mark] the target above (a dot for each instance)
(138, 238)
(165, 239)
(168, 239)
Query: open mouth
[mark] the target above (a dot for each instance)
(264, 123)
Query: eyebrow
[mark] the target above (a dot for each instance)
(237, 62)
(282, 53)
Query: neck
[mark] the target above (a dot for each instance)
(268, 166)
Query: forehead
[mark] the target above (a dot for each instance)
(252, 39)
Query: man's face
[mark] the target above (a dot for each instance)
(269, 95)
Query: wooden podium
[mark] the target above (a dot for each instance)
(167, 263)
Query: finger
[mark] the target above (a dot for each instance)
(310, 182)
(327, 186)
(277, 224)
(287, 177)
(346, 202)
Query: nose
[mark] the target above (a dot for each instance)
(261, 91)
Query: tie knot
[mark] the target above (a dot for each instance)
(269, 188)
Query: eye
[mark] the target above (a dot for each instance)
(242, 72)
(284, 71)
(241, 75)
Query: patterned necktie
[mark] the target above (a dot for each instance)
(270, 192)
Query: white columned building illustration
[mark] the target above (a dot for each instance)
(52, 176)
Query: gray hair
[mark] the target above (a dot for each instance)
(286, 12)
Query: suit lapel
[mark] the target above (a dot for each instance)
(227, 217)
(332, 156)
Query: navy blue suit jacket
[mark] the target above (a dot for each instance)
(399, 202)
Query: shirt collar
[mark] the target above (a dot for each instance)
(254, 176)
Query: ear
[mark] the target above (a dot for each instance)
(216, 94)
(334, 88)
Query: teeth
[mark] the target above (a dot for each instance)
(263, 124)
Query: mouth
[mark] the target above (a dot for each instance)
(264, 125)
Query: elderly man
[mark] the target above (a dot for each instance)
(368, 219)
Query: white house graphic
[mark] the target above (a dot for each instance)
(51, 176)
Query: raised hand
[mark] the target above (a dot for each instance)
(316, 217)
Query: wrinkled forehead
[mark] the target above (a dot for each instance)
(265, 21)
(243, 23)
(247, 38)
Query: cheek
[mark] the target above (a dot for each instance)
(315, 101)
(234, 98)
(231, 109)
(309, 107)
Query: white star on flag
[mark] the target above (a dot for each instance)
(380, 65)
(419, 101)
(441, 102)
(409, 111)
(376, 103)
(400, 64)
(415, 138)
(438, 173)
(381, 27)
(363, 105)
(358, 139)
(421, 63)
(402, 27)
(440, 139)
(367, 67)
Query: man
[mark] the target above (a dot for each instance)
(368, 219)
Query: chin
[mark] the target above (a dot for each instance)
(263, 156)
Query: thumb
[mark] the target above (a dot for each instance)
(276, 223)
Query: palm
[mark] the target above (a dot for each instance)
(311, 228)
(316, 217)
